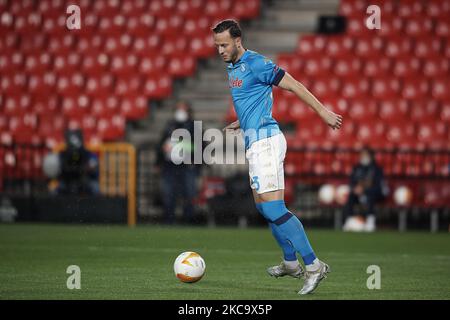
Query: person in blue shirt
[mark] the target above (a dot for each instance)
(251, 77)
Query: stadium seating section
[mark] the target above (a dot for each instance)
(126, 53)
(391, 85)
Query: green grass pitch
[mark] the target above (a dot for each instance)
(118, 262)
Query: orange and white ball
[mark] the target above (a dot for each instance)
(189, 267)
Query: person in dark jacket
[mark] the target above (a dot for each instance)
(367, 187)
(178, 181)
(79, 167)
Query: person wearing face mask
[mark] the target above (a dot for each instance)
(367, 187)
(178, 181)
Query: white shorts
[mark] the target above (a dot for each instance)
(266, 160)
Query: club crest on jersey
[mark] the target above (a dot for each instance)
(235, 82)
(243, 67)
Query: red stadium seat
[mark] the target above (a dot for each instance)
(75, 105)
(409, 8)
(218, 9)
(289, 62)
(397, 46)
(345, 137)
(190, 8)
(134, 107)
(158, 87)
(425, 110)
(46, 104)
(363, 109)
(171, 25)
(124, 65)
(20, 123)
(391, 26)
(349, 66)
(105, 105)
(13, 85)
(246, 9)
(118, 44)
(174, 44)
(377, 66)
(91, 44)
(152, 65)
(338, 46)
(311, 45)
(442, 27)
(323, 87)
(182, 65)
(437, 8)
(299, 111)
(385, 88)
(400, 134)
(317, 66)
(70, 85)
(111, 128)
(311, 133)
(131, 84)
(404, 67)
(67, 64)
(418, 26)
(393, 110)
(162, 8)
(106, 8)
(354, 88)
(440, 88)
(17, 105)
(140, 25)
(112, 26)
(432, 134)
(436, 67)
(445, 111)
(387, 7)
(95, 63)
(352, 7)
(99, 85)
(427, 47)
(202, 45)
(414, 89)
(356, 25)
(148, 44)
(371, 133)
(195, 25)
(369, 46)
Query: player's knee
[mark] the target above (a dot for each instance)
(275, 211)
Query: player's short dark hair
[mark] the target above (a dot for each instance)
(231, 25)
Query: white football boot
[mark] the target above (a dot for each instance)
(282, 270)
(312, 279)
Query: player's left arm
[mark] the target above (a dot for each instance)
(329, 117)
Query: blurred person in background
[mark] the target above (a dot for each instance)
(367, 187)
(79, 170)
(178, 181)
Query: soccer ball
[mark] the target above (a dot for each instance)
(189, 267)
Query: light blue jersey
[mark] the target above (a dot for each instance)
(250, 80)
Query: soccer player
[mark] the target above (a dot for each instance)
(251, 77)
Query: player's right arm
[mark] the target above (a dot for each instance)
(329, 117)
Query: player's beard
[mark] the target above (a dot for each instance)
(233, 56)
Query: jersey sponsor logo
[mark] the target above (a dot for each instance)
(235, 82)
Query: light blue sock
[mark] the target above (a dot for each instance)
(290, 227)
(288, 250)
